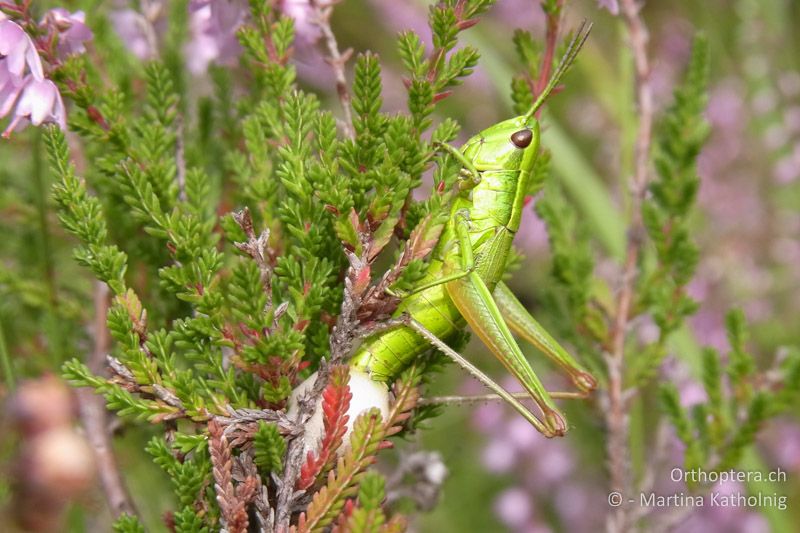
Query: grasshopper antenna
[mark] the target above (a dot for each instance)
(574, 47)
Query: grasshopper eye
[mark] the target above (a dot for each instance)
(522, 138)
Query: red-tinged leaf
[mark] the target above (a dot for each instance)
(424, 237)
(308, 472)
(438, 97)
(397, 524)
(329, 501)
(406, 396)
(382, 236)
(353, 218)
(335, 403)
(133, 306)
(362, 279)
(341, 522)
(466, 24)
(348, 229)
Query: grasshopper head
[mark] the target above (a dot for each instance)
(509, 145)
(513, 144)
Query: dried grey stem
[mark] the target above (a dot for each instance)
(654, 466)
(419, 477)
(341, 342)
(261, 508)
(322, 12)
(94, 416)
(617, 415)
(120, 369)
(258, 249)
(167, 396)
(265, 515)
(239, 417)
(159, 391)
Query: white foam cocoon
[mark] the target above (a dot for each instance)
(367, 394)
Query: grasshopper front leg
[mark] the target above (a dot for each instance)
(521, 321)
(467, 167)
(474, 301)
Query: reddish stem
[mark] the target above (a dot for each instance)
(551, 39)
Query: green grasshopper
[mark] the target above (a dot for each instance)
(463, 282)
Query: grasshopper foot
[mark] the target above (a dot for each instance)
(584, 381)
(555, 423)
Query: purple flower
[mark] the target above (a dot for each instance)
(10, 87)
(514, 507)
(499, 456)
(213, 26)
(37, 99)
(71, 28)
(40, 102)
(17, 50)
(135, 32)
(301, 11)
(23, 86)
(611, 5)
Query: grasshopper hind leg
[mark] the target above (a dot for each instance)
(474, 301)
(520, 321)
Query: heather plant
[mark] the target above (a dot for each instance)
(216, 231)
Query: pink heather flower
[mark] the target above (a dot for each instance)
(18, 51)
(554, 462)
(514, 507)
(499, 456)
(611, 5)
(135, 32)
(786, 170)
(522, 434)
(213, 25)
(40, 102)
(782, 441)
(71, 28)
(22, 82)
(301, 12)
(488, 417)
(10, 87)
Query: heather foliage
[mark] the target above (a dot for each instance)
(216, 314)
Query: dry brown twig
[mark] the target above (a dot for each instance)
(257, 248)
(617, 404)
(341, 342)
(322, 12)
(94, 416)
(233, 500)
